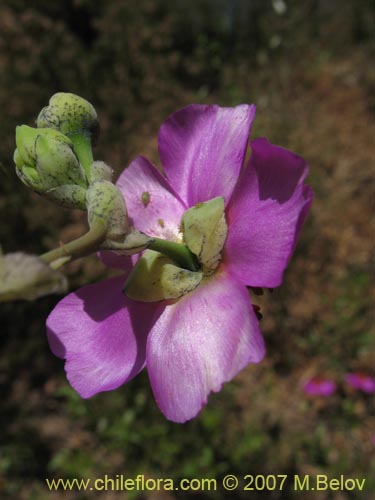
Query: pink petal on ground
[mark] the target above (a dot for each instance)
(202, 149)
(316, 386)
(361, 381)
(151, 202)
(200, 342)
(265, 215)
(117, 261)
(101, 334)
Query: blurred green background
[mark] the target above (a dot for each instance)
(308, 66)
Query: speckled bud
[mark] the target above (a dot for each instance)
(105, 202)
(45, 162)
(70, 114)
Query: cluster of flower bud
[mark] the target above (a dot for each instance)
(55, 160)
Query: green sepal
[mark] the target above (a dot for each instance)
(104, 201)
(46, 158)
(68, 196)
(18, 160)
(25, 141)
(205, 231)
(155, 277)
(29, 177)
(57, 164)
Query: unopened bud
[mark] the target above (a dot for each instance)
(70, 114)
(105, 202)
(45, 162)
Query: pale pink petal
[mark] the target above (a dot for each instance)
(153, 206)
(200, 342)
(102, 336)
(202, 149)
(265, 215)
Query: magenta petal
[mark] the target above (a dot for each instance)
(266, 214)
(200, 342)
(102, 336)
(151, 202)
(202, 149)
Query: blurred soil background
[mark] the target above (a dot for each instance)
(309, 68)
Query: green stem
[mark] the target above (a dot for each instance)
(85, 245)
(177, 252)
(82, 148)
(90, 243)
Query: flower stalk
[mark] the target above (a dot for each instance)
(81, 247)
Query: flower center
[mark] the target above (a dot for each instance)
(159, 274)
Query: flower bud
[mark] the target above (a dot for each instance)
(46, 163)
(105, 202)
(70, 114)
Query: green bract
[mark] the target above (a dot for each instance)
(76, 118)
(70, 114)
(205, 231)
(46, 163)
(156, 277)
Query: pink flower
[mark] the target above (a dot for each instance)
(316, 386)
(194, 344)
(361, 381)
